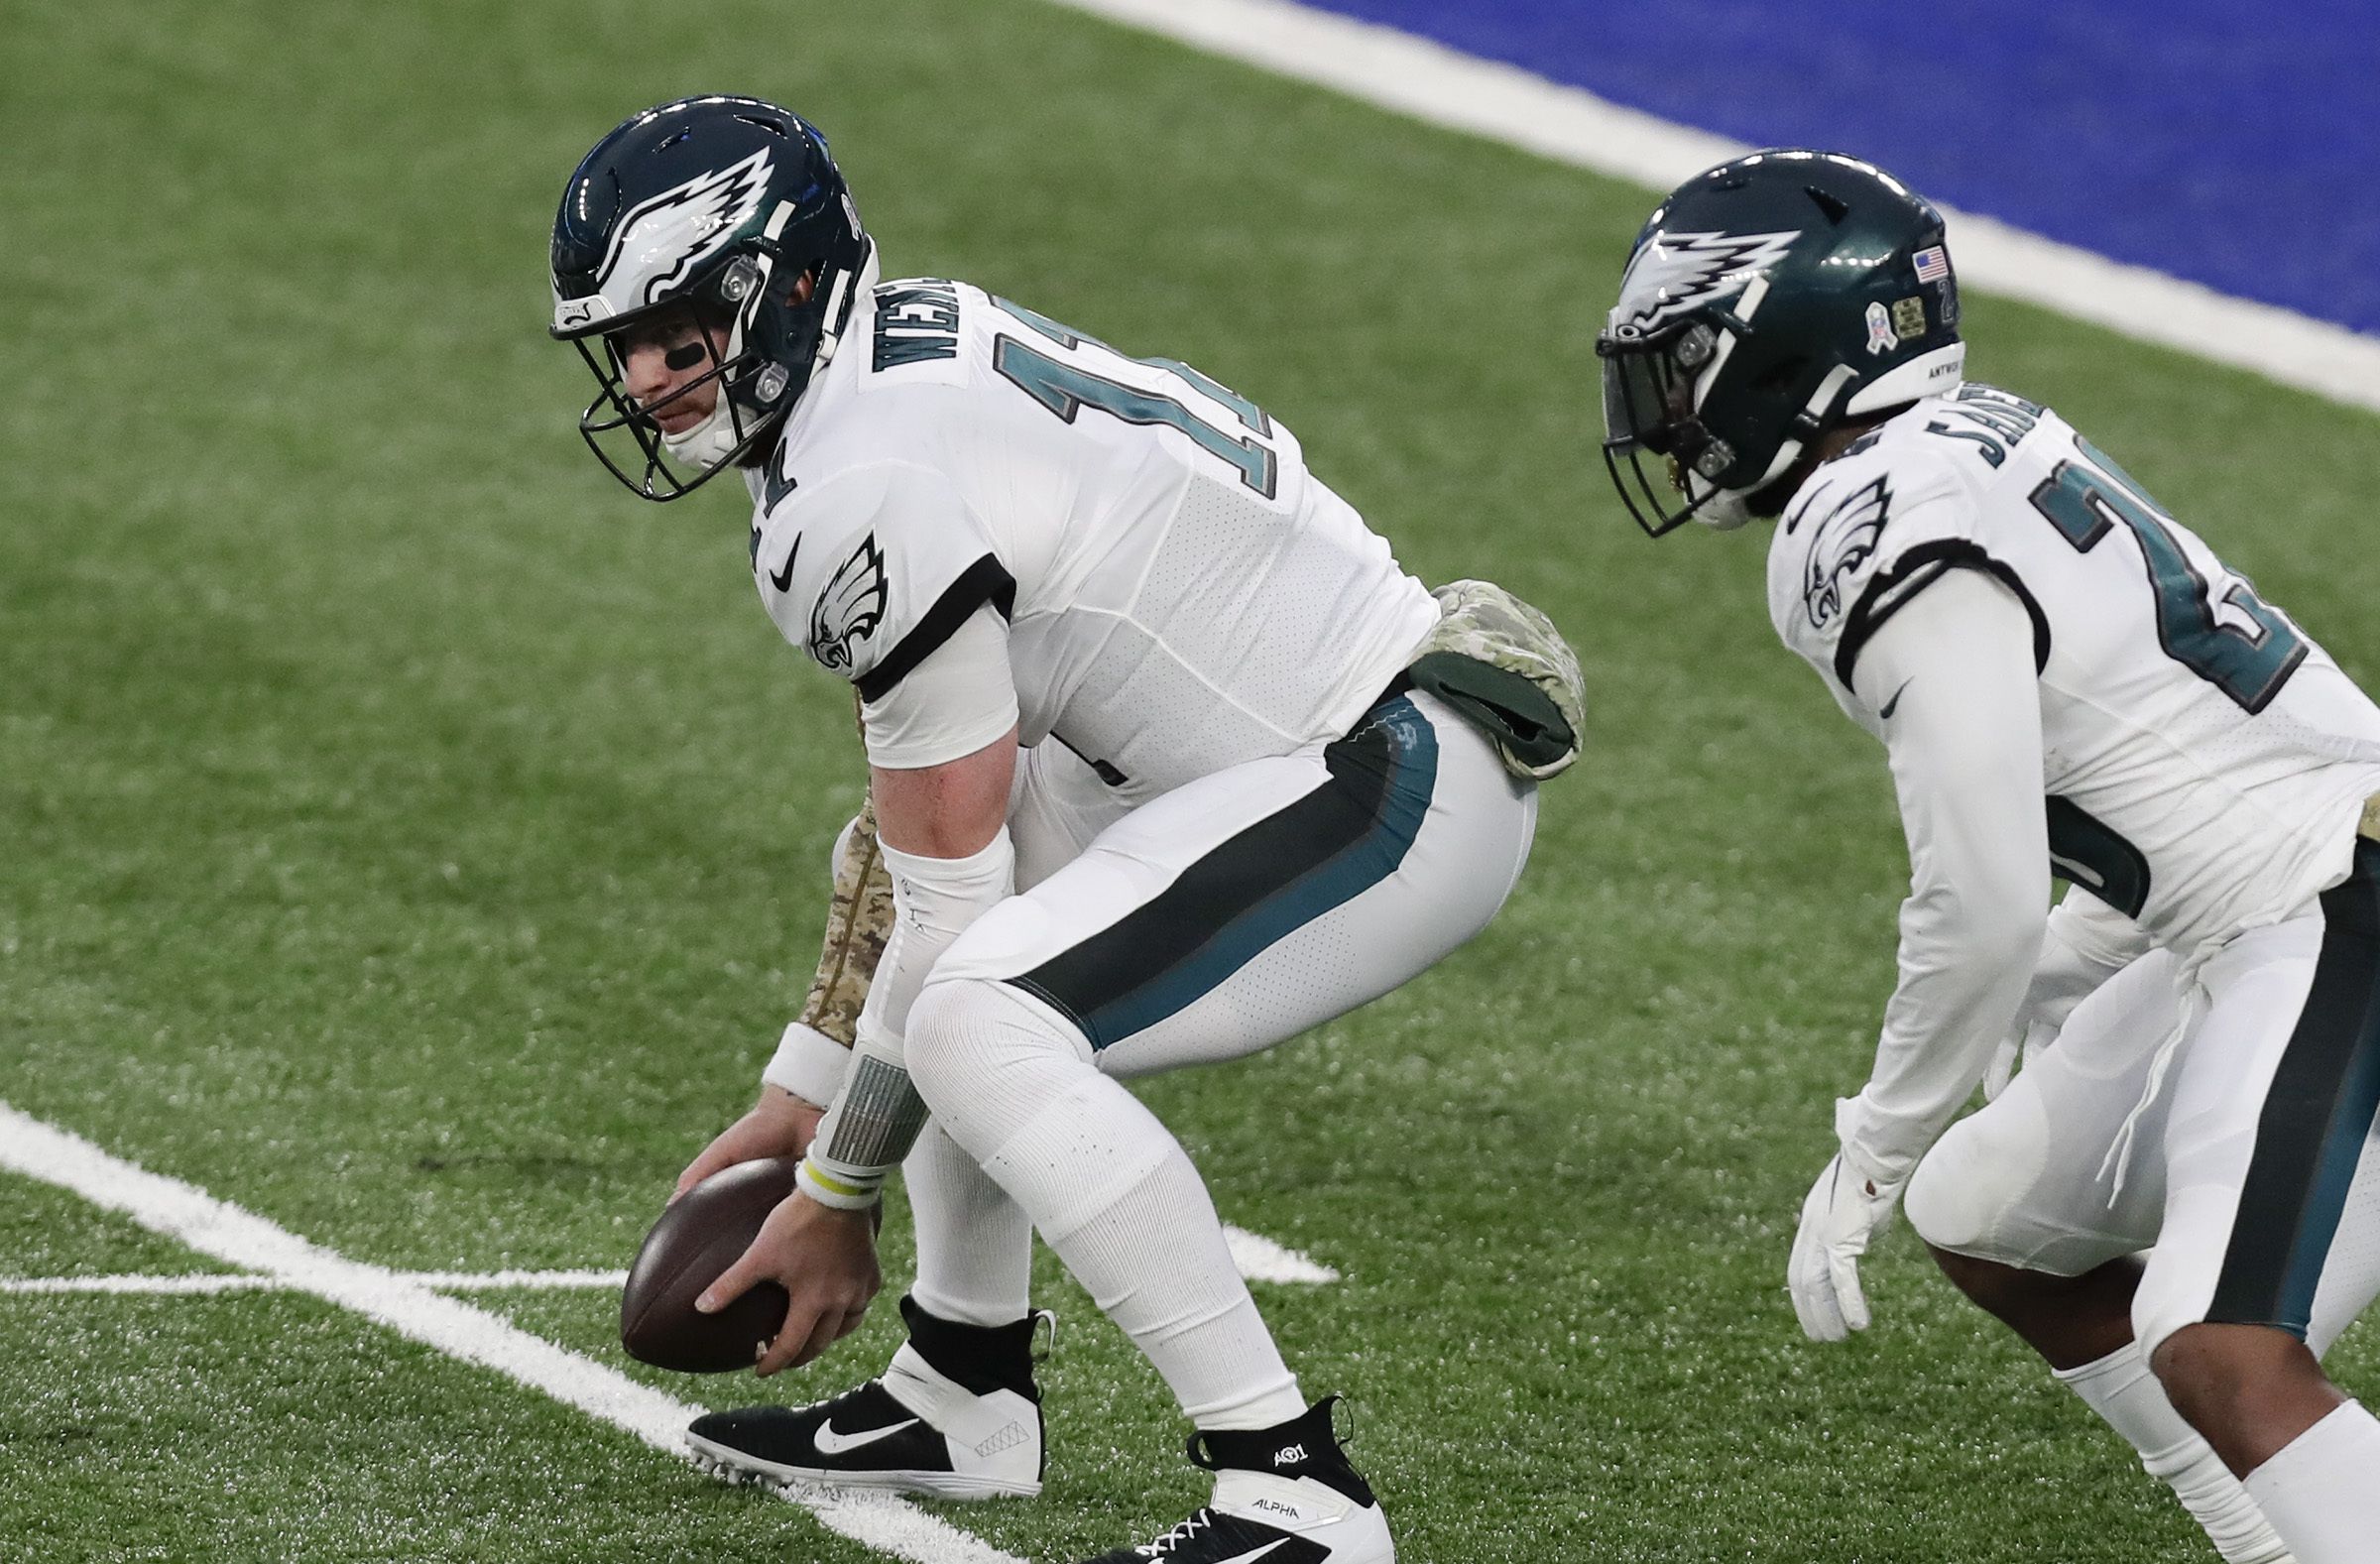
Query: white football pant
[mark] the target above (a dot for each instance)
(1225, 916)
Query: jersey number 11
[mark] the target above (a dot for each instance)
(1065, 389)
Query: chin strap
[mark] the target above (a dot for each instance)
(709, 443)
(837, 314)
(715, 437)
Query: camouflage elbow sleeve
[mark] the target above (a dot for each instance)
(858, 922)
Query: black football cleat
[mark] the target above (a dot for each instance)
(957, 1415)
(1286, 1495)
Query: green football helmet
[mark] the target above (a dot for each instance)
(1766, 301)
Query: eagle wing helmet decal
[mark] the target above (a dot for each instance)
(1675, 271)
(850, 607)
(671, 234)
(1844, 541)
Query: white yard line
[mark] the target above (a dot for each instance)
(497, 1280)
(408, 1303)
(241, 1238)
(1258, 1258)
(1430, 83)
(199, 1285)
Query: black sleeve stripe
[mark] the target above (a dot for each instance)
(1916, 570)
(984, 581)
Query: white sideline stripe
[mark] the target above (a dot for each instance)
(1428, 81)
(241, 1238)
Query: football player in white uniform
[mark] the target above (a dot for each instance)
(2065, 680)
(1169, 762)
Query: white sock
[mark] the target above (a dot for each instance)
(2322, 1491)
(1110, 1189)
(975, 1247)
(1150, 1247)
(2122, 1391)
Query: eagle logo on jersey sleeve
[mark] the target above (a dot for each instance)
(1843, 541)
(852, 606)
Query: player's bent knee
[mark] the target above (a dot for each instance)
(1962, 1195)
(970, 1036)
(936, 1038)
(2225, 1376)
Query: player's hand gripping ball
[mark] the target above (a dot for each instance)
(700, 1235)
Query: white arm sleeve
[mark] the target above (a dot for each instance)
(1955, 667)
(877, 1116)
(933, 901)
(959, 699)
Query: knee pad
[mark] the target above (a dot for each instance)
(1966, 1194)
(936, 1040)
(973, 1043)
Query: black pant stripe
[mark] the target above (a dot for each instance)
(2316, 1116)
(1096, 983)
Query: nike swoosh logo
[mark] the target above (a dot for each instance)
(1250, 1558)
(831, 1443)
(783, 580)
(1884, 714)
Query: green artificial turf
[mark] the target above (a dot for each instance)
(273, 1428)
(412, 837)
(45, 1231)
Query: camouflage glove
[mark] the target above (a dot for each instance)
(1507, 671)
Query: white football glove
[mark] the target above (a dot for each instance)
(1844, 1208)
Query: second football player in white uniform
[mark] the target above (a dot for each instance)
(2065, 679)
(1169, 759)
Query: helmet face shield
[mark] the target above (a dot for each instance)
(1649, 394)
(1636, 400)
(631, 437)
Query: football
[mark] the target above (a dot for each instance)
(698, 1237)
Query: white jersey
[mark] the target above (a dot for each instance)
(2203, 761)
(1181, 593)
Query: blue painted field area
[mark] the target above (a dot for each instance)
(2238, 146)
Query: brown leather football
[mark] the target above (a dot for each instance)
(699, 1236)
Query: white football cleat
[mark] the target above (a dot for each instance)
(972, 1433)
(1286, 1495)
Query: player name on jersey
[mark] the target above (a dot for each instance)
(915, 322)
